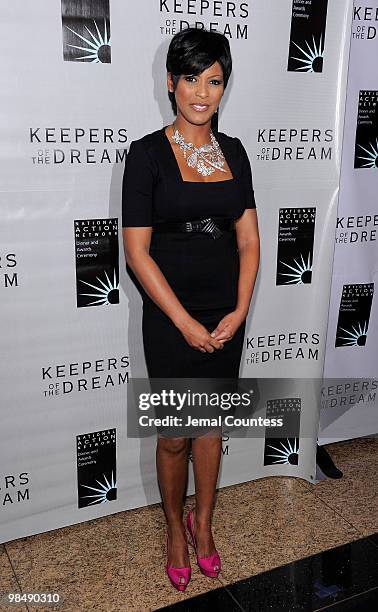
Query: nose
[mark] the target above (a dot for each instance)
(202, 90)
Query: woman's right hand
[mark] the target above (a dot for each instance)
(198, 337)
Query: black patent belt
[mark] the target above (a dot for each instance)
(206, 226)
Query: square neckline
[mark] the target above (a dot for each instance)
(178, 170)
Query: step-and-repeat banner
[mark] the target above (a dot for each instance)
(349, 400)
(80, 80)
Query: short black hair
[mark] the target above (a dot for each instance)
(193, 50)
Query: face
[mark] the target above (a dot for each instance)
(198, 96)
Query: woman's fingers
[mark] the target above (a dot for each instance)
(222, 332)
(210, 345)
(215, 342)
(202, 340)
(225, 334)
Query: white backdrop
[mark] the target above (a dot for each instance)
(71, 317)
(349, 408)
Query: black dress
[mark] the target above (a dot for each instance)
(202, 271)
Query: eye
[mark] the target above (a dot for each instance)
(190, 78)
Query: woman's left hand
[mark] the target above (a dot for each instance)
(228, 326)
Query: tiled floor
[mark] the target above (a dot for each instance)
(116, 563)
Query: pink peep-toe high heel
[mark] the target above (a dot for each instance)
(179, 576)
(211, 565)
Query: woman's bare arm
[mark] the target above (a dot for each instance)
(136, 244)
(247, 235)
(248, 241)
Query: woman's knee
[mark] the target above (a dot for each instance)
(173, 445)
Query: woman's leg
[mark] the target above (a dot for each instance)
(206, 452)
(172, 471)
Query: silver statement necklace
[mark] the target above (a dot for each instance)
(206, 158)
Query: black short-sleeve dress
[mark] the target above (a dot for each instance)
(202, 271)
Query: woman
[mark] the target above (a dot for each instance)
(196, 278)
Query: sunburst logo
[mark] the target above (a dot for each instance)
(302, 271)
(286, 452)
(106, 293)
(106, 492)
(312, 57)
(356, 335)
(372, 155)
(98, 44)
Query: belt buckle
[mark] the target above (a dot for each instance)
(212, 228)
(188, 226)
